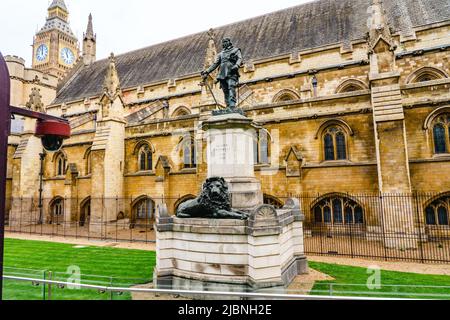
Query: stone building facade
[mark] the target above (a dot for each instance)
(353, 97)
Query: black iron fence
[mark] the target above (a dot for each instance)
(412, 227)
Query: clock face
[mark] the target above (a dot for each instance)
(67, 56)
(41, 52)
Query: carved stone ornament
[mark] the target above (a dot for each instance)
(265, 211)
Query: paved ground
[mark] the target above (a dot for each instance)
(84, 242)
(119, 234)
(301, 285)
(438, 269)
(304, 283)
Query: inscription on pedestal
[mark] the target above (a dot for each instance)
(219, 152)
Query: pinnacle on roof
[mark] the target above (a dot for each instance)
(90, 29)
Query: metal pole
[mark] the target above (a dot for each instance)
(49, 286)
(205, 82)
(5, 123)
(41, 188)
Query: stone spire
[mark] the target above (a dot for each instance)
(90, 29)
(111, 86)
(89, 44)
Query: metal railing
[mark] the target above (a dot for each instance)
(409, 227)
(191, 293)
(378, 226)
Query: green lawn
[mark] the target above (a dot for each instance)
(405, 285)
(98, 265)
(124, 268)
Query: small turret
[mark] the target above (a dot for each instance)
(89, 44)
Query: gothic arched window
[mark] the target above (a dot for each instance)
(189, 152)
(57, 210)
(60, 165)
(425, 74)
(437, 212)
(351, 85)
(145, 158)
(180, 112)
(441, 134)
(261, 147)
(88, 158)
(334, 144)
(144, 210)
(285, 95)
(338, 210)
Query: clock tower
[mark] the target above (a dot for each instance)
(55, 46)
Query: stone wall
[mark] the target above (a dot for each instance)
(295, 124)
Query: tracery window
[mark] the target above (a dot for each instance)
(57, 210)
(425, 74)
(437, 213)
(334, 144)
(189, 152)
(144, 209)
(145, 158)
(60, 165)
(338, 210)
(441, 134)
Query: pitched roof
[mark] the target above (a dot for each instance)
(311, 25)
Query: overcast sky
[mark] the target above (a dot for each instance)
(125, 25)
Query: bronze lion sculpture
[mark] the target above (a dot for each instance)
(213, 203)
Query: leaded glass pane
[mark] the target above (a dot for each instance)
(442, 216)
(142, 161)
(187, 154)
(340, 146)
(439, 139)
(256, 150)
(329, 148)
(263, 147)
(348, 215)
(337, 211)
(327, 214)
(149, 161)
(194, 155)
(359, 217)
(317, 214)
(430, 217)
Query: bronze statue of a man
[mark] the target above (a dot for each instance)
(229, 60)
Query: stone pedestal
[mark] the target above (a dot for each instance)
(230, 154)
(265, 251)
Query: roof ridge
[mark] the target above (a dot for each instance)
(311, 25)
(214, 28)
